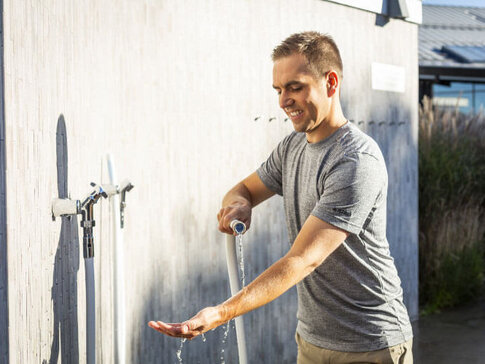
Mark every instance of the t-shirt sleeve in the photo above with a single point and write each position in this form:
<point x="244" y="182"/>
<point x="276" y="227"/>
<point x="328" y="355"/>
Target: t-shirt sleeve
<point x="350" y="191"/>
<point x="271" y="171"/>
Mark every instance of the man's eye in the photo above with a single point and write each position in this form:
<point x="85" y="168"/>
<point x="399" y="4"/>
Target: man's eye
<point x="297" y="88"/>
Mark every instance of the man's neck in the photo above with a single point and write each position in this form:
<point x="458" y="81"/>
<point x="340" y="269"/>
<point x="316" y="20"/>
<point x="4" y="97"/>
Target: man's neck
<point x="327" y="127"/>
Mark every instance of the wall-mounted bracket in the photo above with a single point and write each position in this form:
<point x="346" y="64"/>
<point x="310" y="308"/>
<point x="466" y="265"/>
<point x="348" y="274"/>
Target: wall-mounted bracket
<point x="62" y="207"/>
<point x="124" y="187"/>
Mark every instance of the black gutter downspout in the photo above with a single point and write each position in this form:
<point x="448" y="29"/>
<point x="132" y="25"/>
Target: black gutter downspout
<point x="397" y="9"/>
<point x="4" y="337"/>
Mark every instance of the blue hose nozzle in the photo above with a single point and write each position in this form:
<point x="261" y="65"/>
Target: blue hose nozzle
<point x="238" y="227"/>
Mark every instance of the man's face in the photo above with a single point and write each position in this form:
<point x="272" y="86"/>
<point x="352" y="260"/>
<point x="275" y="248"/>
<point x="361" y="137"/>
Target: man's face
<point x="303" y="97"/>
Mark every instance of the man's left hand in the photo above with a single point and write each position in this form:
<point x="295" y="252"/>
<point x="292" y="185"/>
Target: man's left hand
<point x="207" y="319"/>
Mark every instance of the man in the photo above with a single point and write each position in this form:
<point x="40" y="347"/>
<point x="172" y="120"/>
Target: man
<point x="334" y="184"/>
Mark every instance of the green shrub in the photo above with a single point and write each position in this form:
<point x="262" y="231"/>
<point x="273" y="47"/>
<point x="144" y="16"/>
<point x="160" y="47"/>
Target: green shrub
<point x="451" y="206"/>
<point x="458" y="280"/>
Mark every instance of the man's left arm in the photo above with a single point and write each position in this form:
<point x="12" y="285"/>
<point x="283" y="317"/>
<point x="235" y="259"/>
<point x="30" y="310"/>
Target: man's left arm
<point x="315" y="242"/>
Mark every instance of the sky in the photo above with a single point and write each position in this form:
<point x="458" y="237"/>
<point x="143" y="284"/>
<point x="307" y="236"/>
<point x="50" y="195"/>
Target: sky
<point x="478" y="3"/>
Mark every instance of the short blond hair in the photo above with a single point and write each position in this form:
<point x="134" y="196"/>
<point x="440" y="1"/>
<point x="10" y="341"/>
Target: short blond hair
<point x="320" y="50"/>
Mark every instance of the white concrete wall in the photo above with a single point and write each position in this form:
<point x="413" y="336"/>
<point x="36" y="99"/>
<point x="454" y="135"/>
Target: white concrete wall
<point x="171" y="89"/>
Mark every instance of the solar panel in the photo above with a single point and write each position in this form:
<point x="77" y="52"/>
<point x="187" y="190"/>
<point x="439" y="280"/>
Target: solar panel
<point x="469" y="54"/>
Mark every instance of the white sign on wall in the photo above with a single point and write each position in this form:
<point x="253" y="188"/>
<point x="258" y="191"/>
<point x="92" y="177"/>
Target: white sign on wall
<point x="450" y="101"/>
<point x="387" y="77"/>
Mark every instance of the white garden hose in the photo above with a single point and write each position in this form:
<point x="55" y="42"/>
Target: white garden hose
<point x="232" y="269"/>
<point x="118" y="273"/>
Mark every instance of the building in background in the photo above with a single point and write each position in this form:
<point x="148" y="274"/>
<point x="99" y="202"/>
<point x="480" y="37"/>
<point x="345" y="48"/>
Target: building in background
<point x="452" y="56"/>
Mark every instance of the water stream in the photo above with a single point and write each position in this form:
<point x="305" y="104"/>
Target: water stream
<point x="239" y="239"/>
<point x="224" y="340"/>
<point x="179" y="351"/>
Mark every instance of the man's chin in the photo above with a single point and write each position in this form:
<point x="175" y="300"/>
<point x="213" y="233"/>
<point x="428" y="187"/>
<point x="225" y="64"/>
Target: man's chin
<point x="299" y="127"/>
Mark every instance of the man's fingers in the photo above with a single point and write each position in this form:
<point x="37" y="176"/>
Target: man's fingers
<point x="221" y="227"/>
<point x="194" y="325"/>
<point x="153" y="325"/>
<point x="227" y="220"/>
<point x="198" y="324"/>
<point x="174" y="330"/>
<point x="224" y="225"/>
<point x="160" y="328"/>
<point x="220" y="219"/>
<point x="235" y="211"/>
<point x="224" y="220"/>
<point x="178" y="330"/>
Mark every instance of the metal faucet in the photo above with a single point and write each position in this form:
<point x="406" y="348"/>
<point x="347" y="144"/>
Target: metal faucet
<point x="124" y="187"/>
<point x="66" y="208"/>
<point x="87" y="222"/>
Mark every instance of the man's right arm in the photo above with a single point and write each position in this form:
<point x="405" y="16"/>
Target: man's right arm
<point x="239" y="201"/>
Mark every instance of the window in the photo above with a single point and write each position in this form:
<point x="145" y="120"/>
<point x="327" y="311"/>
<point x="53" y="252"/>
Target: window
<point x="469" y="54"/>
<point x="468" y="97"/>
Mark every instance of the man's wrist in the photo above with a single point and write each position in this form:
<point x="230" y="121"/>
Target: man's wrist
<point x="239" y="201"/>
<point x="224" y="312"/>
<point x="238" y="195"/>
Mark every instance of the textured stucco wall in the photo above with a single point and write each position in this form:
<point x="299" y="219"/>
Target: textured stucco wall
<point x="171" y="89"/>
<point x="3" y="221"/>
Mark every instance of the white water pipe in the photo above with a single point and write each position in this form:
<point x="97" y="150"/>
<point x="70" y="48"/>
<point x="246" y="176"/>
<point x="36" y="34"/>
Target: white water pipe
<point x="232" y="269"/>
<point x="90" y="312"/>
<point x="118" y="273"/>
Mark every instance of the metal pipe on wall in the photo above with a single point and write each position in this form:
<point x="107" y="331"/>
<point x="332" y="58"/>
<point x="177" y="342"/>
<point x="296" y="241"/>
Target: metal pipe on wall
<point x="90" y="312"/>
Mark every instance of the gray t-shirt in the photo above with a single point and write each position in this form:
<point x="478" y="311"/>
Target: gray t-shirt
<point x="353" y="300"/>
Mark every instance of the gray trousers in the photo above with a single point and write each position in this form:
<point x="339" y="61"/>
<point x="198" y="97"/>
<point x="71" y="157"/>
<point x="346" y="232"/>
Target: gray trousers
<point x="311" y="354"/>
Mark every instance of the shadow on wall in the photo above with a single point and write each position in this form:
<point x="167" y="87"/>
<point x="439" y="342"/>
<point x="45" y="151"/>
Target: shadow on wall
<point x="270" y="330"/>
<point x="265" y="344"/>
<point x="392" y="130"/>
<point x="64" y="287"/>
<point x="381" y="20"/>
<point x="163" y="304"/>
<point x="191" y="284"/>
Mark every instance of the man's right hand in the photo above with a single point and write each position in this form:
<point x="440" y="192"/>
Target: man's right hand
<point x="235" y="211"/>
<point x="240" y="200"/>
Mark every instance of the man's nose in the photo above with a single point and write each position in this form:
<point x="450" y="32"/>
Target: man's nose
<point x="285" y="100"/>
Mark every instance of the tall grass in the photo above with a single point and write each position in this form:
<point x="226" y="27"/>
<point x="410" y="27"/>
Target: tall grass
<point x="451" y="206"/>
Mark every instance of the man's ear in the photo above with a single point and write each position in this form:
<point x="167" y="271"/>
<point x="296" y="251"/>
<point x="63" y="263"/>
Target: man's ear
<point x="332" y="83"/>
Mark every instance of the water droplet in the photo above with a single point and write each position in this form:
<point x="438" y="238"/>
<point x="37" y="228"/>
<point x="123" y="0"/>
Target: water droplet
<point x="224" y="339"/>
<point x="179" y="351"/>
